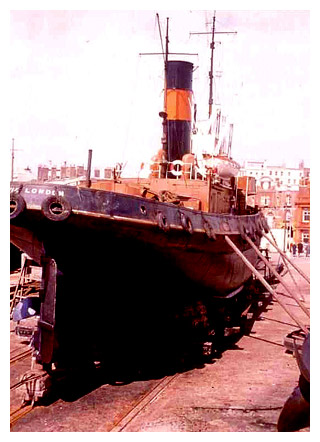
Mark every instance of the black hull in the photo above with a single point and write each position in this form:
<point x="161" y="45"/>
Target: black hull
<point x="129" y="270"/>
<point x="104" y="225"/>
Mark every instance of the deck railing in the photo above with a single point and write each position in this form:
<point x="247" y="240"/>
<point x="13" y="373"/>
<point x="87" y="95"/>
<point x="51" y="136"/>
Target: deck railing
<point x="177" y="169"/>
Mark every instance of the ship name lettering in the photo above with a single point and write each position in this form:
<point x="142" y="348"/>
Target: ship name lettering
<point x="40" y="191"/>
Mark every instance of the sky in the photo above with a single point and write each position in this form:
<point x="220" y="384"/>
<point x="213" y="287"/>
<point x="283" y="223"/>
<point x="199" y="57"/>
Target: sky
<point x="77" y="82"/>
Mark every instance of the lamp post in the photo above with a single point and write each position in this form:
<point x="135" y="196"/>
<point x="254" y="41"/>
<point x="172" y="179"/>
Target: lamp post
<point x="287" y="222"/>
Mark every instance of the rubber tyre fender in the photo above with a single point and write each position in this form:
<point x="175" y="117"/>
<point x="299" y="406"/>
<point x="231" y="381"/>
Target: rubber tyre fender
<point x="65" y="207"/>
<point x="265" y="225"/>
<point x="259" y="223"/>
<point x="162" y="222"/>
<point x="252" y="230"/>
<point x="189" y="227"/>
<point x="260" y="227"/>
<point x="242" y="230"/>
<point x="209" y="231"/>
<point x="183" y="220"/>
<point x="19" y="203"/>
<point x="186" y="223"/>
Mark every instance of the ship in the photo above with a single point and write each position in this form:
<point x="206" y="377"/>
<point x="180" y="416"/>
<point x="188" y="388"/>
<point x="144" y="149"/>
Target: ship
<point x="136" y="267"/>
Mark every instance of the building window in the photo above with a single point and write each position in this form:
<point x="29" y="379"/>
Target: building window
<point x="289" y="173"/>
<point x="305" y="237"/>
<point x="306" y="215"/>
<point x="270" y="173"/>
<point x="265" y="201"/>
<point x="288" y="200"/>
<point x="289" y="181"/>
<point x="276" y="173"/>
<point x="281" y="172"/>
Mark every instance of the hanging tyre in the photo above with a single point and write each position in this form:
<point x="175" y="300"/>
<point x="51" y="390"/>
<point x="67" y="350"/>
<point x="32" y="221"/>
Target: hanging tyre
<point x="209" y="230"/>
<point x="17" y="205"/>
<point x="56" y="209"/>
<point x="252" y="230"/>
<point x="162" y="222"/>
<point x="242" y="230"/>
<point x="259" y="227"/>
<point x="186" y="223"/>
<point x="265" y="225"/>
<point x="183" y="220"/>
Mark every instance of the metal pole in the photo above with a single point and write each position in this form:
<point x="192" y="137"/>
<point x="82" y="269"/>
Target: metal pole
<point x="12" y="159"/>
<point x="267" y="263"/>
<point x="285" y="256"/>
<point x="264" y="282"/>
<point x="89" y="168"/>
<point x="211" y="66"/>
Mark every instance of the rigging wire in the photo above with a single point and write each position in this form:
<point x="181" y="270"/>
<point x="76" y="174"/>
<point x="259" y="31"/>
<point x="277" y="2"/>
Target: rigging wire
<point x="161" y="40"/>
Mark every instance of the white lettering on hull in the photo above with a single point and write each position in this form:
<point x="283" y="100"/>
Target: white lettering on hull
<point x="39" y="191"/>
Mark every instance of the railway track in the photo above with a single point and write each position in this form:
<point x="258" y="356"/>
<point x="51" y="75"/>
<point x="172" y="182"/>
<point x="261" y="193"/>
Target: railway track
<point x="28" y="380"/>
<point x="22" y="410"/>
<point x="147" y="399"/>
<point x="122" y="423"/>
<point x="19" y="412"/>
<point x="14" y="358"/>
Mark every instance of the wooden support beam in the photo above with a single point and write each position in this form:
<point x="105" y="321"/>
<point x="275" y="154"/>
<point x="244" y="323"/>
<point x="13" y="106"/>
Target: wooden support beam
<point x="281" y="280"/>
<point x="288" y="259"/>
<point x="266" y="285"/>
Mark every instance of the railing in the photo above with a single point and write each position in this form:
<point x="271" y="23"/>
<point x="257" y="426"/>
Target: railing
<point x="177" y="169"/>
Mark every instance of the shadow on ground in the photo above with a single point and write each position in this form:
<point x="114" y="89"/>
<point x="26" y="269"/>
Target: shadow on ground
<point x="150" y="361"/>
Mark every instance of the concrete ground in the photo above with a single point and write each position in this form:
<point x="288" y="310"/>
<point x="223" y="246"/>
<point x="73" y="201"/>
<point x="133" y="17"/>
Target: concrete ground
<point x="242" y="391"/>
<point x="245" y="389"/>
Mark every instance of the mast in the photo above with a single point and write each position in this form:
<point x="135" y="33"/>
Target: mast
<point x="13" y="150"/>
<point x="212" y="47"/>
<point x="211" y="66"/>
<point x="164" y="114"/>
<point x="166" y="57"/>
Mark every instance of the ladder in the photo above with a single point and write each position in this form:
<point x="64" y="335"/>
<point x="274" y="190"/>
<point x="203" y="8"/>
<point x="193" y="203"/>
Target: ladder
<point x="21" y="290"/>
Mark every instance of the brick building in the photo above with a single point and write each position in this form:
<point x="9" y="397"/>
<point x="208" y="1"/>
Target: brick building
<point x="301" y="220"/>
<point x="283" y="194"/>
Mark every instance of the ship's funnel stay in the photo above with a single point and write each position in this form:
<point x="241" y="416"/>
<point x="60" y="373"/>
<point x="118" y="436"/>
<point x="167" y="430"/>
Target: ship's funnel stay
<point x="178" y="108"/>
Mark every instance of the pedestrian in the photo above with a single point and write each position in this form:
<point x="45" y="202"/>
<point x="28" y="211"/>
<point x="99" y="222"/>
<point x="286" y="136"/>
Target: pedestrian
<point x="307" y="250"/>
<point x="300" y="248"/>
<point x="294" y="250"/>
